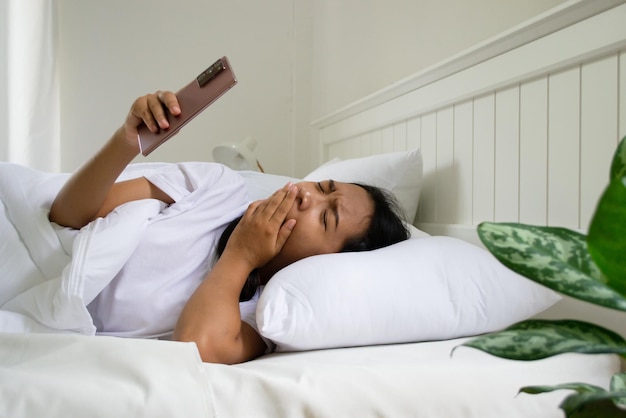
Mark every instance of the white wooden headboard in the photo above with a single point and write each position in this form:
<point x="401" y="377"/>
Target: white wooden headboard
<point x="520" y="128"/>
<point x="511" y="130"/>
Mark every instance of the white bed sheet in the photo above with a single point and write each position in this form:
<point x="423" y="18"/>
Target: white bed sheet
<point x="406" y="380"/>
<point x="72" y="375"/>
<point x="55" y="375"/>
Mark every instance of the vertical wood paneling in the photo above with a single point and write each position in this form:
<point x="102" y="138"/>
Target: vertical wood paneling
<point x="324" y="149"/>
<point x="564" y="149"/>
<point x="399" y="136"/>
<point x="377" y="141"/>
<point x="533" y="151"/>
<point x="350" y="146"/>
<point x="463" y="162"/>
<point x="330" y="151"/>
<point x="537" y="152"/>
<point x="360" y="144"/>
<point x="428" y="200"/>
<point x="517" y="154"/>
<point x="483" y="186"/>
<point x="346" y="148"/>
<point x="598" y="130"/>
<point x="387" y="139"/>
<point x="338" y="150"/>
<point x="366" y="144"/>
<point x="506" y="205"/>
<point x="446" y="187"/>
<point x="413" y="133"/>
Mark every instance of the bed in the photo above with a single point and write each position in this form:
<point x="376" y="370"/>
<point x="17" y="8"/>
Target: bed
<point x="492" y="134"/>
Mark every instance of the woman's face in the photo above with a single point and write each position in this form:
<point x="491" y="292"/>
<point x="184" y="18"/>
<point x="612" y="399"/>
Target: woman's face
<point x="328" y="214"/>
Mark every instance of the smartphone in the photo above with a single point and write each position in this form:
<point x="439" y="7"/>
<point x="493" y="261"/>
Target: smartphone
<point x="196" y="96"/>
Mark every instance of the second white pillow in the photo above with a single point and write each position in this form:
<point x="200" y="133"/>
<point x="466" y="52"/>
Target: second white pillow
<point x="399" y="172"/>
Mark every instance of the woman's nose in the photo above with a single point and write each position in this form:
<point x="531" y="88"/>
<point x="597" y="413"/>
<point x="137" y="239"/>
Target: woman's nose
<point x="308" y="199"/>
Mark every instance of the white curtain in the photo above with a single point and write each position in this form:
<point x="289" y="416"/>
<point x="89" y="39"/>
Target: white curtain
<point x="31" y="111"/>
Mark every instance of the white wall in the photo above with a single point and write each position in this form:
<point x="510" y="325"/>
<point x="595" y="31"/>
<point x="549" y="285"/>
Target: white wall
<point x="361" y="46"/>
<point x="113" y="51"/>
<point x="296" y="60"/>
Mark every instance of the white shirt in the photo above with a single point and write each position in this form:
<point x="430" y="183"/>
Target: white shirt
<point x="175" y="254"/>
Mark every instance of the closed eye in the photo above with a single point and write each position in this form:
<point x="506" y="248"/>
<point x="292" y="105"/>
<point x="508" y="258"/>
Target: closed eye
<point x="331" y="189"/>
<point x="325" y="213"/>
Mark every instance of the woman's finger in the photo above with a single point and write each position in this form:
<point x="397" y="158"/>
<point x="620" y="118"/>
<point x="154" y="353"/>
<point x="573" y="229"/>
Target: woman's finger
<point x="170" y="101"/>
<point x="284" y="232"/>
<point x="156" y="111"/>
<point x="274" y="209"/>
<point x="278" y="205"/>
<point x="140" y="112"/>
<point x="285" y="205"/>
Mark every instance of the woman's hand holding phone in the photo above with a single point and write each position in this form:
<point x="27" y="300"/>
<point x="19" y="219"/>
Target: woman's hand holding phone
<point x="150" y="111"/>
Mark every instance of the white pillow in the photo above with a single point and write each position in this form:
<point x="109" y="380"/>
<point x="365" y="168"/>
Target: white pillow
<point x="398" y="172"/>
<point x="262" y="185"/>
<point x="432" y="288"/>
<point x="414" y="232"/>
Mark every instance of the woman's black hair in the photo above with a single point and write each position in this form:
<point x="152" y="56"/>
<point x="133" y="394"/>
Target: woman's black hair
<point x="386" y="228"/>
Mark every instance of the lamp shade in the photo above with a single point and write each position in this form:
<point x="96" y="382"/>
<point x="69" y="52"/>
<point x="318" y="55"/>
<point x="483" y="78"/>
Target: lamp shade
<point x="238" y="156"/>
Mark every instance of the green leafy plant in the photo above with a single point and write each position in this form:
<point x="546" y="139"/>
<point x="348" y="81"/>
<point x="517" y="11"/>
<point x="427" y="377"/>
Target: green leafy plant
<point x="587" y="267"/>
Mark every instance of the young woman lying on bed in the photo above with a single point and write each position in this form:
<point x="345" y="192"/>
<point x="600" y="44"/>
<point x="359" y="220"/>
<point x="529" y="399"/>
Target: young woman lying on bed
<point x="167" y="282"/>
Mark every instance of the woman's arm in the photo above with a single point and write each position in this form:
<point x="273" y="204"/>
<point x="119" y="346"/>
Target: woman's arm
<point x="211" y="317"/>
<point x="90" y="191"/>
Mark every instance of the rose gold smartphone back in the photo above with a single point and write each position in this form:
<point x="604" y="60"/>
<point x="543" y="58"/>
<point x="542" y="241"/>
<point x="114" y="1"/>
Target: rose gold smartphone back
<point x="196" y="96"/>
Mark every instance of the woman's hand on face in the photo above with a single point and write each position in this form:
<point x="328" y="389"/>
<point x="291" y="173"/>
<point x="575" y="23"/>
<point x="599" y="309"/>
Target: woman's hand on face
<point x="150" y="109"/>
<point x="264" y="228"/>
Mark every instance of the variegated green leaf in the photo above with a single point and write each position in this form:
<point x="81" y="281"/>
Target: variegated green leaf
<point x="593" y="405"/>
<point x="607" y="235"/>
<point x="536" y="339"/>
<point x="578" y="387"/>
<point x="554" y="257"/>
<point x="618" y="384"/>
<point x="593" y="400"/>
<point x="618" y="165"/>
